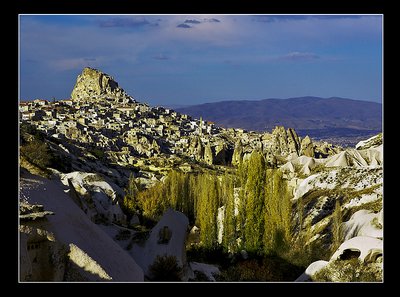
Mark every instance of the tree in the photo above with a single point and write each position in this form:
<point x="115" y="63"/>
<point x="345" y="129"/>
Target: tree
<point x="254" y="192"/>
<point x="229" y="234"/>
<point x="131" y="201"/>
<point x="277" y="214"/>
<point x="207" y="211"/>
<point x="241" y="219"/>
<point x="153" y="202"/>
<point x="337" y="219"/>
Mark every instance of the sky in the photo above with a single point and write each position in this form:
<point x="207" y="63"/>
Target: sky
<point x="177" y="60"/>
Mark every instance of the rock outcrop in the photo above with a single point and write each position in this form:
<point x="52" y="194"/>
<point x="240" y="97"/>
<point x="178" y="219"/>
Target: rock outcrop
<point x="237" y="153"/>
<point x="97" y="197"/>
<point x="28" y="212"/>
<point x="307" y="147"/>
<point x="93" y="84"/>
<point x="286" y="141"/>
<point x="354" y="178"/>
<point x="372" y="142"/>
<point x="67" y="246"/>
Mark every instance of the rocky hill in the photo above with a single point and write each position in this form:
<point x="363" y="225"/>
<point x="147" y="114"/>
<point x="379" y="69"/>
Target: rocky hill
<point x="89" y="148"/>
<point x="105" y="126"/>
<point x="93" y="84"/>
<point x="337" y="120"/>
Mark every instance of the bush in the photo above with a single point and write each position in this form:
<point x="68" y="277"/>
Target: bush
<point x="98" y="153"/>
<point x="28" y="130"/>
<point x="37" y="153"/>
<point x="165" y="268"/>
<point x="269" y="268"/>
<point x="215" y="255"/>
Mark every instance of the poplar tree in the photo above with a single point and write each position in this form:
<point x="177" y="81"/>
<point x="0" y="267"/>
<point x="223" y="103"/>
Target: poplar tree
<point x="241" y="219"/>
<point x="207" y="210"/>
<point x="131" y="202"/>
<point x="337" y="219"/>
<point x="229" y="233"/>
<point x="277" y="212"/>
<point x="254" y="192"/>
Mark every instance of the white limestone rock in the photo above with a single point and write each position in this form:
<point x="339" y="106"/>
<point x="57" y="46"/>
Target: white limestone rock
<point x="369" y="248"/>
<point x="373" y="141"/>
<point x="72" y="229"/>
<point x="363" y="223"/>
<point x="311" y="270"/>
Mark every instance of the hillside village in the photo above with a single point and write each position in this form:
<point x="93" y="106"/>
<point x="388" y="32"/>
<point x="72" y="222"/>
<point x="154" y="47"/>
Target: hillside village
<point x="135" y="134"/>
<point x="105" y="135"/>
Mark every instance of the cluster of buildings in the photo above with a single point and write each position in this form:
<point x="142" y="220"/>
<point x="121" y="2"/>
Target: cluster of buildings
<point x="126" y="130"/>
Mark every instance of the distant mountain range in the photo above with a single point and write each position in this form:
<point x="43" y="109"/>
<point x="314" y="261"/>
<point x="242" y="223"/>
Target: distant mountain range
<point x="340" y="120"/>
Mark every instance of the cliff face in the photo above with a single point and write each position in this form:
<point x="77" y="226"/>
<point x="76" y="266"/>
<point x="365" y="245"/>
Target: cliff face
<point x="93" y="84"/>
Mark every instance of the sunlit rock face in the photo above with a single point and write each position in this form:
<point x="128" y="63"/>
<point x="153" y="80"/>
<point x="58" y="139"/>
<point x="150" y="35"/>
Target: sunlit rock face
<point x="93" y="84"/>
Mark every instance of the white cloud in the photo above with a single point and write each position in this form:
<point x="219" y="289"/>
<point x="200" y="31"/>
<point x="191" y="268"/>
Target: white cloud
<point x="300" y="56"/>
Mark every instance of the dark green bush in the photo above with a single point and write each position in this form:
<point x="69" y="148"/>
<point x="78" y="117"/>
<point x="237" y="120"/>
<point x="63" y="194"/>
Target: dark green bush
<point x="269" y="268"/>
<point x="165" y="268"/>
<point x="37" y="152"/>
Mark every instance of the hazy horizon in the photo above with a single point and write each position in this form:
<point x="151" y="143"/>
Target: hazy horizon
<point x="182" y="60"/>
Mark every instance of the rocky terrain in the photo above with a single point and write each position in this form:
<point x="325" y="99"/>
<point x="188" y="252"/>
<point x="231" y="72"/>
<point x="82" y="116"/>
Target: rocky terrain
<point x="353" y="180"/>
<point x="102" y="136"/>
<point x="62" y="243"/>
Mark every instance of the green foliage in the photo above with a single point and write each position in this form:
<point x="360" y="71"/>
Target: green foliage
<point x="241" y="179"/>
<point x="254" y="191"/>
<point x="27" y="130"/>
<point x="131" y="203"/>
<point x="37" y="152"/>
<point x="207" y="209"/>
<point x="337" y="219"/>
<point x="269" y="268"/>
<point x="213" y="254"/>
<point x="264" y="220"/>
<point x="98" y="153"/>
<point x="303" y="251"/>
<point x="230" y="220"/>
<point x="152" y="202"/>
<point x="278" y="207"/>
<point x="179" y="191"/>
<point x="165" y="268"/>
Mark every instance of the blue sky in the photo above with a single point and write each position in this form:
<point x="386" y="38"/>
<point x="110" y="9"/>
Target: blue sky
<point x="190" y="59"/>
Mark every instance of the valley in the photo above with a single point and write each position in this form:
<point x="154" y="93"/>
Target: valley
<point x="323" y="119"/>
<point x="112" y="189"/>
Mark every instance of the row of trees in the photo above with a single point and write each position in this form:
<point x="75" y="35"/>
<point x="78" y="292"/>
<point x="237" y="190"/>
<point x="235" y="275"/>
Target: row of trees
<point x="256" y="202"/>
<point x="265" y="207"/>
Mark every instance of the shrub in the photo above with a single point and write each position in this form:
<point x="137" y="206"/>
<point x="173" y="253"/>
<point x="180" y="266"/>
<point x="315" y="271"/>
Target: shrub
<point x="268" y="268"/>
<point x="165" y="268"/>
<point x="37" y="153"/>
<point x="98" y="153"/>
